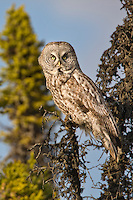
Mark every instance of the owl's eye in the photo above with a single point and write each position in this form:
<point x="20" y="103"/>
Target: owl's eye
<point x="53" y="57"/>
<point x="64" y="57"/>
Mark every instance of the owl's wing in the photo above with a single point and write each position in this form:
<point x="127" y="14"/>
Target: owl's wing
<point x="94" y="102"/>
<point x="92" y="98"/>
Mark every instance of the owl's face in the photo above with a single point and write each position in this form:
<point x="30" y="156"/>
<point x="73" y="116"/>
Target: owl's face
<point x="58" y="57"/>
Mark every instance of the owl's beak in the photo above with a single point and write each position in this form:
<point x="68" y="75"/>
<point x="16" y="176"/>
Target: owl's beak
<point x="59" y="63"/>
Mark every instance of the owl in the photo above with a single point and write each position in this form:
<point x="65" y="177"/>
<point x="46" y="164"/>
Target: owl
<point x="77" y="96"/>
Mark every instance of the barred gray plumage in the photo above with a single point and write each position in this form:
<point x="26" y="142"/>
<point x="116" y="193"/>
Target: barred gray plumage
<point x="77" y="96"/>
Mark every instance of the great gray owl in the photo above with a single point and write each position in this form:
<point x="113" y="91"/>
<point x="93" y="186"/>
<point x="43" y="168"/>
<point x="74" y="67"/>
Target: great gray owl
<point x="77" y="96"/>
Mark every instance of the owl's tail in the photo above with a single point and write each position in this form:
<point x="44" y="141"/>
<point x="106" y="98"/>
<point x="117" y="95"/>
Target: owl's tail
<point x="113" y="145"/>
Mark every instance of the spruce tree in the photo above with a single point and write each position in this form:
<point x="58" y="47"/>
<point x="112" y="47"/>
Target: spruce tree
<point x="22" y="89"/>
<point x="15" y="183"/>
<point x="115" y="79"/>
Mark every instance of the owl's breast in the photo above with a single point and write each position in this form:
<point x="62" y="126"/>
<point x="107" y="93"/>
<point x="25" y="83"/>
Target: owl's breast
<point x="67" y="95"/>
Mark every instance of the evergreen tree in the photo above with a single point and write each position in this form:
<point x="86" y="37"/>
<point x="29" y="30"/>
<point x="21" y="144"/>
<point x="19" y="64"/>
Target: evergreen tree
<point x="14" y="183"/>
<point x="22" y="89"/>
<point x="115" y="79"/>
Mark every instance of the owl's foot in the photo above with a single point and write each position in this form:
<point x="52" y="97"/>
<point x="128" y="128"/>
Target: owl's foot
<point x="69" y="123"/>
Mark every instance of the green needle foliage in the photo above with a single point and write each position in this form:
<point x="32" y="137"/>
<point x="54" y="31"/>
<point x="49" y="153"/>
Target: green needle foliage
<point x="22" y="89"/>
<point x="14" y="184"/>
<point x="115" y="78"/>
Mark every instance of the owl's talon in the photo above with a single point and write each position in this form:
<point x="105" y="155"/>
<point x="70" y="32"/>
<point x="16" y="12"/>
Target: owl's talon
<point x="68" y="118"/>
<point x="69" y="122"/>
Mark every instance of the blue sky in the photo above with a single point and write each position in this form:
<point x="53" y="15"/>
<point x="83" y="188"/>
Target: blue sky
<point x="86" y="24"/>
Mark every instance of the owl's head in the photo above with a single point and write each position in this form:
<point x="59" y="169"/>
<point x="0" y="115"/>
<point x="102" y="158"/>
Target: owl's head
<point x="58" y="57"/>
